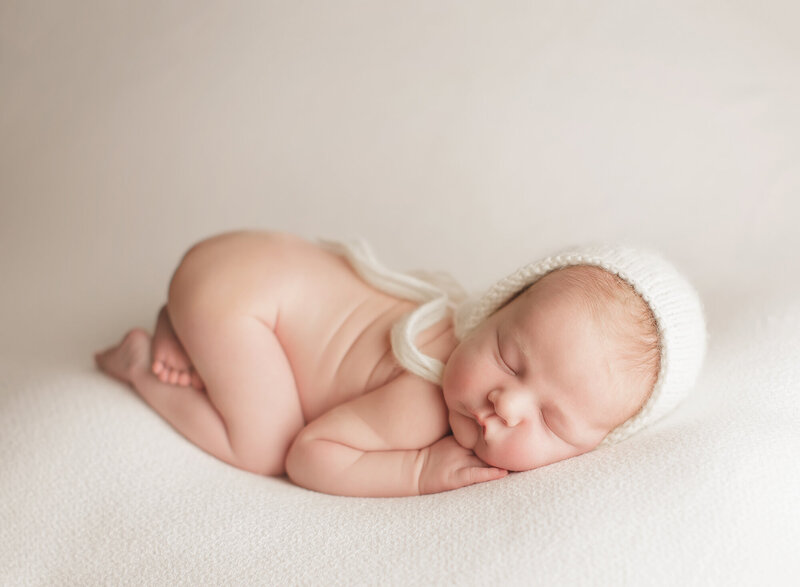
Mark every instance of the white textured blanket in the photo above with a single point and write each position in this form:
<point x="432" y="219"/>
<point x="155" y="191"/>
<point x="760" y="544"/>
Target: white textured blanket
<point x="97" y="489"/>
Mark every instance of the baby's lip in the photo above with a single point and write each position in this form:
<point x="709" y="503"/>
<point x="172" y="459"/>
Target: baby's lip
<point x="483" y="426"/>
<point x="480" y="418"/>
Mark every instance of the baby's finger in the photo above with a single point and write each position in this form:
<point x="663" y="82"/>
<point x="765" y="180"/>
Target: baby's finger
<point x="472" y="475"/>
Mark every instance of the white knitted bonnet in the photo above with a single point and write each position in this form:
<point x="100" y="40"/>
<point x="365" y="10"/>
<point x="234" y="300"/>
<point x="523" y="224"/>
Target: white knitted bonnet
<point x="673" y="301"/>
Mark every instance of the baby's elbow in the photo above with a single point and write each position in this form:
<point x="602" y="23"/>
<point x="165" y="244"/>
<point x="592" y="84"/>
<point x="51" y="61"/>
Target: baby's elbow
<point x="318" y="463"/>
<point x="299" y="458"/>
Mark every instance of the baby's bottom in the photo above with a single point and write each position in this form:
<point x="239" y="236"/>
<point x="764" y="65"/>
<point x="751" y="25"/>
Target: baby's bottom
<point x="247" y="376"/>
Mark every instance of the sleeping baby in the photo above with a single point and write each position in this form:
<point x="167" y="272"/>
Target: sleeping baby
<point x="282" y="356"/>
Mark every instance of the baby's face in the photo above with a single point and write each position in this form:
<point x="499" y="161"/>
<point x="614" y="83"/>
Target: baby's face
<point x="535" y="383"/>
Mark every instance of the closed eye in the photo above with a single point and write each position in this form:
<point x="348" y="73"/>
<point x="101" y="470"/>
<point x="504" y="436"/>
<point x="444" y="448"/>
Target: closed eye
<point x="501" y="360"/>
<point x="551" y="430"/>
<point x="544" y="421"/>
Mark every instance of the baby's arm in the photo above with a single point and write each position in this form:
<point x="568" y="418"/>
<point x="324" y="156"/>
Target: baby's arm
<point x="385" y="443"/>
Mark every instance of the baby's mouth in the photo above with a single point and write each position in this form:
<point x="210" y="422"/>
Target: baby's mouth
<point x="481" y="417"/>
<point x="481" y="421"/>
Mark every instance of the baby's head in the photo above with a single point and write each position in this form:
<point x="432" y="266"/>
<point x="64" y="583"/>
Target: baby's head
<point x="574" y="351"/>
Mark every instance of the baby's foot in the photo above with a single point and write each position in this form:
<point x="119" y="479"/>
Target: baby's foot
<point x="170" y="363"/>
<point x="129" y="357"/>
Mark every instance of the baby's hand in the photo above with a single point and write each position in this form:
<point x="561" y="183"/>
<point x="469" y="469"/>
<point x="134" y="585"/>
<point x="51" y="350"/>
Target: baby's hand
<point x="448" y="465"/>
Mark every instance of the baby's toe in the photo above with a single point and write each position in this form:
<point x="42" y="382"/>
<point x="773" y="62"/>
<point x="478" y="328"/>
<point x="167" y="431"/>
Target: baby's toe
<point x="184" y="379"/>
<point x="158" y="367"/>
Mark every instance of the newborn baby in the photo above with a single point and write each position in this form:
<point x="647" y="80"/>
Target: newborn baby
<point x="278" y="355"/>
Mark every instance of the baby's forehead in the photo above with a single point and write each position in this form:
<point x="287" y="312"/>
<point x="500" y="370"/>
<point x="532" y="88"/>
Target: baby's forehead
<point x="579" y="282"/>
<point x="584" y="292"/>
<point x="583" y="277"/>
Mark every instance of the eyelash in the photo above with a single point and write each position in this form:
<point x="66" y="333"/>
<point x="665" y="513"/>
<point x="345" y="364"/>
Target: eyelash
<point x="502" y="360"/>
<point x="546" y="425"/>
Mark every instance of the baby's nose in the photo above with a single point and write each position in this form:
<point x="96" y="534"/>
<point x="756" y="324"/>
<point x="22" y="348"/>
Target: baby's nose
<point x="508" y="405"/>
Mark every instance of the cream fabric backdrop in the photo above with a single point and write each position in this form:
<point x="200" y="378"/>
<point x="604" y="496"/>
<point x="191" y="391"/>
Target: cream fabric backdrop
<point x="467" y="136"/>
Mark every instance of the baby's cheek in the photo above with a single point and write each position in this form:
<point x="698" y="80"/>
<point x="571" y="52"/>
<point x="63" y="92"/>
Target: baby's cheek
<point x="469" y="386"/>
<point x="492" y="456"/>
<point x="464" y="361"/>
<point x="464" y="430"/>
<point x="513" y="454"/>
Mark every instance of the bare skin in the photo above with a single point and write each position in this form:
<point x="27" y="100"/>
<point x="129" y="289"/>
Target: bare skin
<point x="127" y="360"/>
<point x="274" y="356"/>
<point x="279" y="334"/>
<point x="170" y="363"/>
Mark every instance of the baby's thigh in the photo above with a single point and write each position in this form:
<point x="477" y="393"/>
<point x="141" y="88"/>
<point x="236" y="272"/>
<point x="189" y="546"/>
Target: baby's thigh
<point x="217" y="303"/>
<point x="250" y="383"/>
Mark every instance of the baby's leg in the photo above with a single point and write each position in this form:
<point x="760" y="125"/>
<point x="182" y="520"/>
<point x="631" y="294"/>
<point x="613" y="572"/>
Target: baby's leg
<point x="188" y="410"/>
<point x="247" y="375"/>
<point x="170" y="363"/>
<point x="250" y="383"/>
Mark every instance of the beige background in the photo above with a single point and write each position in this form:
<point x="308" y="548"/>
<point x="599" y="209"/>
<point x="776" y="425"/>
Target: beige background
<point x="468" y="136"/>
